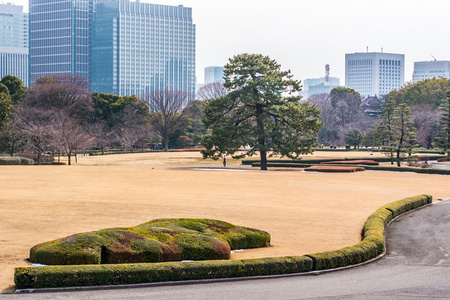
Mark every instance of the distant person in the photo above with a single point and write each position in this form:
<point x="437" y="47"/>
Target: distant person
<point x="224" y="160"/>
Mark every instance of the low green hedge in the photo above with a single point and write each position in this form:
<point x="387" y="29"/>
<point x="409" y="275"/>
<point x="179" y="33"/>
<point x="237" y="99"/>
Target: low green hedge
<point x="371" y="246"/>
<point x="15" y="160"/>
<point x="155" y="241"/>
<point x="91" y="275"/>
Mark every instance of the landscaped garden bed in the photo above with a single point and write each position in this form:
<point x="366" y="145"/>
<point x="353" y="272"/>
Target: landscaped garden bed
<point x="352" y="162"/>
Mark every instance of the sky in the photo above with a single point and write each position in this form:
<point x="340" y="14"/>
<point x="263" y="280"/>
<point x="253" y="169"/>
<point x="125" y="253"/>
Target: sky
<point x="304" y="35"/>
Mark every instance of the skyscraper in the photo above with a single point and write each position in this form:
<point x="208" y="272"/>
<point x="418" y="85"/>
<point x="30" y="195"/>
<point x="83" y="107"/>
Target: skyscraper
<point x="140" y="47"/>
<point x="14" y="42"/>
<point x="431" y="69"/>
<point x="214" y="74"/>
<point x="59" y="37"/>
<point x="374" y="73"/>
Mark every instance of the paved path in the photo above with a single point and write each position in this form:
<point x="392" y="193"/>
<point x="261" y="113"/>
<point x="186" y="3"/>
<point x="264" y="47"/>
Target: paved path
<point x="417" y="266"/>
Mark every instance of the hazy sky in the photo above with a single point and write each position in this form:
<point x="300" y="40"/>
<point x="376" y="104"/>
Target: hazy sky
<point x="303" y="36"/>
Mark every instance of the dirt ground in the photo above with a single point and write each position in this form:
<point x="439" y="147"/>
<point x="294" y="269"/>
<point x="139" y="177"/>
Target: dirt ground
<point x="303" y="212"/>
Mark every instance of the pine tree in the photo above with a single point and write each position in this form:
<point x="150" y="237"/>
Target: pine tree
<point x="443" y="141"/>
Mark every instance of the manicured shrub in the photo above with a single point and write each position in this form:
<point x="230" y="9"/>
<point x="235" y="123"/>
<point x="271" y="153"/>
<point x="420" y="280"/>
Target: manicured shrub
<point x="353" y="162"/>
<point x="10" y="160"/>
<point x="92" y="275"/>
<point x="154" y="241"/>
<point x="334" y="169"/>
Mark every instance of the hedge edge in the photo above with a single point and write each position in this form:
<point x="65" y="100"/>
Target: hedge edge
<point x="372" y="245"/>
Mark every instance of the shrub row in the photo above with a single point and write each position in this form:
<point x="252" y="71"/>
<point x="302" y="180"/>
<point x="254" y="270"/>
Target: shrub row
<point x="373" y="168"/>
<point x="372" y="243"/>
<point x="371" y="246"/>
<point x="318" y="161"/>
<point x="353" y="162"/>
<point x="334" y="169"/>
<point x="15" y="160"/>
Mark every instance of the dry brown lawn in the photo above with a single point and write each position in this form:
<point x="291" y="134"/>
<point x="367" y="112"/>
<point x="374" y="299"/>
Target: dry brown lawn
<point x="303" y="212"/>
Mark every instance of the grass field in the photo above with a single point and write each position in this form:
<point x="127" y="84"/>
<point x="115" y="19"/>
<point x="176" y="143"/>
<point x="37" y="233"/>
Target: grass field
<point x="303" y="212"/>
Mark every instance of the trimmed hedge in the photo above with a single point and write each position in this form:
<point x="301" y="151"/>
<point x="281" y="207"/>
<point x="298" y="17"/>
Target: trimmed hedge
<point x="15" y="160"/>
<point x="334" y="169"/>
<point x="318" y="161"/>
<point x="69" y="276"/>
<point x="353" y="162"/>
<point x="371" y="246"/>
<point x="155" y="241"/>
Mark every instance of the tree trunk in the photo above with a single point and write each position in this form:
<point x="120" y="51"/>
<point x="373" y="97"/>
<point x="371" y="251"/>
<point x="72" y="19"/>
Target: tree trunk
<point x="398" y="157"/>
<point x="68" y="158"/>
<point x="263" y="155"/>
<point x="166" y="143"/>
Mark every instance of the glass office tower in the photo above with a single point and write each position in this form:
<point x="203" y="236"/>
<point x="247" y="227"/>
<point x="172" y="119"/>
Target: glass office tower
<point x="59" y="37"/>
<point x="14" y="42"/>
<point x="140" y="47"/>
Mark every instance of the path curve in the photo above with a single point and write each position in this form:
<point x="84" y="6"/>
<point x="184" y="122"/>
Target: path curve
<point x="416" y="266"/>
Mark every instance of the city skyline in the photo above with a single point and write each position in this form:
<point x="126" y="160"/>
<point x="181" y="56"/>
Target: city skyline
<point x="303" y="37"/>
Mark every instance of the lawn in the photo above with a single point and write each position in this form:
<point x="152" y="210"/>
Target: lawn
<point x="303" y="212"/>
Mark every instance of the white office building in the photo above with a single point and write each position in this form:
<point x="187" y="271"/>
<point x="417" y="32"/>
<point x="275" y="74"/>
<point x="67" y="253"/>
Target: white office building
<point x="374" y="73"/>
<point x="431" y="69"/>
<point x="214" y="74"/>
<point x="14" y="42"/>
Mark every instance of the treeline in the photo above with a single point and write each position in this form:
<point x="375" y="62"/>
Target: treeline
<point x="58" y="115"/>
<point x="416" y="115"/>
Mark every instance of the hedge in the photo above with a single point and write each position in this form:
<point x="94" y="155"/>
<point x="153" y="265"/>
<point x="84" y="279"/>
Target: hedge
<point x="318" y="161"/>
<point x="334" y="169"/>
<point x="155" y="241"/>
<point x="15" y="160"/>
<point x="371" y="246"/>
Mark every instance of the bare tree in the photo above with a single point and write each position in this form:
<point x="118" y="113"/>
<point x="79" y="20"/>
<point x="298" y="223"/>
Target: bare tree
<point x="37" y="129"/>
<point x="166" y="112"/>
<point x="212" y="91"/>
<point x="61" y="92"/>
<point x="133" y="129"/>
<point x="426" y="123"/>
<point x="70" y="135"/>
<point x="102" y="134"/>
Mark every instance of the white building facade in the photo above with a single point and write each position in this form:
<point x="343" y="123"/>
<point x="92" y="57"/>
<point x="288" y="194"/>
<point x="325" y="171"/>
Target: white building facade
<point x="374" y="73"/>
<point x="431" y="69"/>
<point x="14" y="42"/>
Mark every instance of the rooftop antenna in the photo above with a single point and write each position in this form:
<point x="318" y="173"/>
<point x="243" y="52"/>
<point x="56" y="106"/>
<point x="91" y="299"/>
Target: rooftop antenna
<point x="433" y="58"/>
<point x="381" y="49"/>
<point x="367" y="49"/>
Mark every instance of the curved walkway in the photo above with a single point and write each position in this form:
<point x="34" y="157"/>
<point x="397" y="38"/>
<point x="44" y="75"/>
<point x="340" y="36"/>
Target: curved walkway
<point x="416" y="266"/>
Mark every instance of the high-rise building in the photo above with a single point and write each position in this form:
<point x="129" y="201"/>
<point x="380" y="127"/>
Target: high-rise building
<point x="214" y="74"/>
<point x="374" y="73"/>
<point x="14" y="42"/>
<point x="140" y="47"/>
<point x="314" y="86"/>
<point x="431" y="69"/>
<point x="59" y="37"/>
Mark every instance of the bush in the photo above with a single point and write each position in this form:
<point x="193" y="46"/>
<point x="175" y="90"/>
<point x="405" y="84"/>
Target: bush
<point x="353" y="162"/>
<point x="334" y="169"/>
<point x="70" y="276"/>
<point x="58" y="163"/>
<point x="15" y="160"/>
<point x="9" y="160"/>
<point x="154" y="241"/>
<point x="442" y="159"/>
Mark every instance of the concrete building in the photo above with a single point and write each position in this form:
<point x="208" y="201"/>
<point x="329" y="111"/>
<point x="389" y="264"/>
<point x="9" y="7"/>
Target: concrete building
<point x="140" y="47"/>
<point x="374" y="73"/>
<point x="214" y="74"/>
<point x="321" y="85"/>
<point x="431" y="69"/>
<point x="14" y="42"/>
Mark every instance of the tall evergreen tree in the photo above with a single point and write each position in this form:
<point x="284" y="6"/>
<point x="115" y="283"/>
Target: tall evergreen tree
<point x="386" y="130"/>
<point x="403" y="131"/>
<point x="254" y="114"/>
<point x="443" y="141"/>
